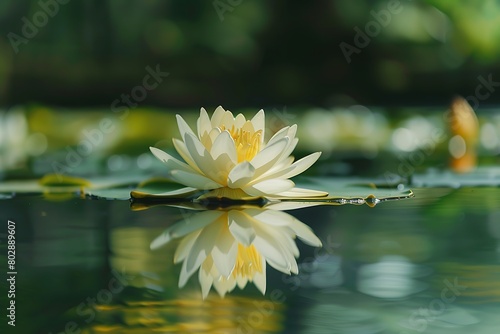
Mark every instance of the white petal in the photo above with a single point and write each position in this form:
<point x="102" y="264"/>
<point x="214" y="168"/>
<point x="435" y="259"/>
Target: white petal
<point x="217" y="116"/>
<point x="292" y="143"/>
<point x="301" y="165"/>
<point x="296" y="168"/>
<point x="186" y="226"/>
<point x="269" y="187"/>
<point x="273" y="253"/>
<point x="228" y="119"/>
<point x="281" y="219"/>
<point x="194" y="180"/>
<point x="260" y="278"/>
<point x="259" y="121"/>
<point x="277" y="168"/>
<point x="305" y="233"/>
<point x="239" y="120"/>
<point x="176" y="193"/>
<point x="183" y="276"/>
<point x="205" y="278"/>
<point x="271" y="217"/>
<point x="292" y="131"/>
<point x="185" y="246"/>
<point x="284" y="237"/>
<point x="203" y="123"/>
<point x="278" y="135"/>
<point x="204" y="161"/>
<point x="224" y="286"/>
<point x="221" y="168"/>
<point x="292" y="246"/>
<point x="224" y="143"/>
<point x="266" y="158"/>
<point x="170" y="161"/>
<point x="242" y="280"/>
<point x="301" y="193"/>
<point x="202" y="247"/>
<point x="213" y="134"/>
<point x="183" y="126"/>
<point x="225" y="252"/>
<point x="240" y="175"/>
<point x="195" y="148"/>
<point x="282" y="240"/>
<point x="181" y="148"/>
<point x="248" y="127"/>
<point x="241" y="227"/>
<point x="288" y="132"/>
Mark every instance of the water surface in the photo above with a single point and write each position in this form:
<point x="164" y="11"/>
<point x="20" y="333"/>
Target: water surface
<point x="430" y="264"/>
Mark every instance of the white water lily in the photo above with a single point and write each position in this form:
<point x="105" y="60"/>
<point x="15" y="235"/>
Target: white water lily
<point x="228" y="154"/>
<point x="232" y="248"/>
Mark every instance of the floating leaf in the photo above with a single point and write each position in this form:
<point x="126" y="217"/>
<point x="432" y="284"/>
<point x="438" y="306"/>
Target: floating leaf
<point x="59" y="180"/>
<point x="358" y="194"/>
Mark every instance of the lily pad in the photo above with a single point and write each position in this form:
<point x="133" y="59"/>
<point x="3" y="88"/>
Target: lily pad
<point x="355" y="192"/>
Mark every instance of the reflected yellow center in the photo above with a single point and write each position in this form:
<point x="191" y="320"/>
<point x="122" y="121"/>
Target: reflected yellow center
<point x="248" y="262"/>
<point x="247" y="141"/>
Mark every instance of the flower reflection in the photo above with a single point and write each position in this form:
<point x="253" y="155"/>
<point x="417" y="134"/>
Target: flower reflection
<point x="232" y="247"/>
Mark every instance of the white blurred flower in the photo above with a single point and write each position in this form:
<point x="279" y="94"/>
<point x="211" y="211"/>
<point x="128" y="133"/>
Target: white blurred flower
<point x="230" y="248"/>
<point x="228" y="155"/>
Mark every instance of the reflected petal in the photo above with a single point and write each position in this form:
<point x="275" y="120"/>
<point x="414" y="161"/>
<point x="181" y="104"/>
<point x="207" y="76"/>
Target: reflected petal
<point x="231" y="248"/>
<point x="241" y="227"/>
<point x="260" y="278"/>
<point x="194" y="222"/>
<point x="225" y="252"/>
<point x="206" y="280"/>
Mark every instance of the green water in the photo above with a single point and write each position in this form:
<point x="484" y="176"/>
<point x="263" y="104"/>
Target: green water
<point x="429" y="264"/>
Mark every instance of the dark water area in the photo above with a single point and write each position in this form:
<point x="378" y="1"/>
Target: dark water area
<point x="428" y="264"/>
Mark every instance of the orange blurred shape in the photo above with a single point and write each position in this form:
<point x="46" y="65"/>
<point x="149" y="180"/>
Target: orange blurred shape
<point x="464" y="126"/>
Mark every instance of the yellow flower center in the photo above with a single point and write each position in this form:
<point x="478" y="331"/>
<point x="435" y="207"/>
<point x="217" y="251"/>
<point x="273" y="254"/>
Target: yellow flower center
<point x="246" y="140"/>
<point x="248" y="262"/>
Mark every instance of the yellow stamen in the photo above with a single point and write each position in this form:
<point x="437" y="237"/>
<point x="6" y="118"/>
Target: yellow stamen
<point x="248" y="262"/>
<point x="247" y="142"/>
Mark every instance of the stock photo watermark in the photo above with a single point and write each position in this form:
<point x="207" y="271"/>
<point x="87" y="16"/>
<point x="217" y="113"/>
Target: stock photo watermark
<point x="408" y="164"/>
<point x="420" y="319"/>
<point x="320" y="255"/>
<point x="483" y="90"/>
<point x="263" y="310"/>
<point x="223" y="6"/>
<point x="88" y="310"/>
<point x="11" y="273"/>
<point x="372" y="29"/>
<point x="279" y="119"/>
<point x="121" y="107"/>
<point x="31" y="26"/>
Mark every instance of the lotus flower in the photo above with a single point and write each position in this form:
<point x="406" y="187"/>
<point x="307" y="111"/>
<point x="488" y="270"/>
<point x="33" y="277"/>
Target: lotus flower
<point x="229" y="156"/>
<point x="230" y="248"/>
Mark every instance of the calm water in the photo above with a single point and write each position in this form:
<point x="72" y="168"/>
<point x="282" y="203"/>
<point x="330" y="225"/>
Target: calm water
<point x="430" y="264"/>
